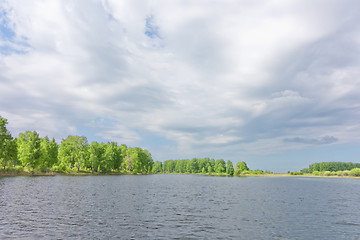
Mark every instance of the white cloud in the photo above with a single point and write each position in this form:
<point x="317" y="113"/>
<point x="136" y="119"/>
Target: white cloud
<point x="234" y="77"/>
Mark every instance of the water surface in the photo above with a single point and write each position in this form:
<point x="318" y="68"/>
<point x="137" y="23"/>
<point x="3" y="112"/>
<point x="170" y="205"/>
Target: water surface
<point x="178" y="207"/>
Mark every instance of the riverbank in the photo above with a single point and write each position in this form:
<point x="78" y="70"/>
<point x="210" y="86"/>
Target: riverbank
<point x="82" y="173"/>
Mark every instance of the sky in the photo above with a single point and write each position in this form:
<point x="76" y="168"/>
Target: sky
<point x="274" y="83"/>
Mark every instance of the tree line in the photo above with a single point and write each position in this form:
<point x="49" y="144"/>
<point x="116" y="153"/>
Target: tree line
<point x="331" y="169"/>
<point x="330" y="166"/>
<point x="74" y="153"/>
<point x="203" y="166"/>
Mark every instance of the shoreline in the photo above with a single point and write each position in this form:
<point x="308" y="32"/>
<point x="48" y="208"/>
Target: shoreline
<point x="38" y="174"/>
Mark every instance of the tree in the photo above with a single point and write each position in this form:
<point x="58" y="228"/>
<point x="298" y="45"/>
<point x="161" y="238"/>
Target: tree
<point x="9" y="154"/>
<point x="157" y="167"/>
<point x="73" y="151"/>
<point x="5" y="143"/>
<point x="220" y="166"/>
<point x="145" y="160"/>
<point x="96" y="156"/>
<point x="229" y="168"/>
<point x="49" y="153"/>
<point x="169" y="166"/>
<point x="332" y="166"/>
<point x="112" y="156"/>
<point x="241" y="167"/>
<point x="131" y="159"/>
<point x="29" y="149"/>
<point x="194" y="167"/>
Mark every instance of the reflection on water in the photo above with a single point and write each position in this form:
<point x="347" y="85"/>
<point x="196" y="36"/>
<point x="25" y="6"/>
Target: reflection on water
<point x="179" y="206"/>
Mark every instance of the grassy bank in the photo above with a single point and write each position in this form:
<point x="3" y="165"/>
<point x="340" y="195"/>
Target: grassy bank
<point x="266" y="175"/>
<point x="21" y="172"/>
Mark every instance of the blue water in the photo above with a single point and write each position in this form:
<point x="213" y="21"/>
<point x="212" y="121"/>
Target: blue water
<point x="179" y="207"/>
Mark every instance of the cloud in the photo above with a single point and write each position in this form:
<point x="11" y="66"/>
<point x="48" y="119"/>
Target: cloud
<point x="313" y="141"/>
<point x="226" y="78"/>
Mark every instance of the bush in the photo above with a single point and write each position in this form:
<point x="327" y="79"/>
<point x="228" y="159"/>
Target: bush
<point x="326" y="173"/>
<point x="316" y="173"/>
<point x="338" y="173"/>
<point x="355" y="172"/>
<point x="60" y="168"/>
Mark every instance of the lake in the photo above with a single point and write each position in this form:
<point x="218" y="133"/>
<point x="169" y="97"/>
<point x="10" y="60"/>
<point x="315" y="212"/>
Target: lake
<point x="179" y="207"/>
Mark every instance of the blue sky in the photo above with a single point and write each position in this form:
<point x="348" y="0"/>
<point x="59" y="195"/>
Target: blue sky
<point x="272" y="83"/>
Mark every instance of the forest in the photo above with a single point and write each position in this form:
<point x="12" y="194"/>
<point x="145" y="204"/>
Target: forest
<point x="204" y="166"/>
<point x="331" y="169"/>
<point x="29" y="152"/>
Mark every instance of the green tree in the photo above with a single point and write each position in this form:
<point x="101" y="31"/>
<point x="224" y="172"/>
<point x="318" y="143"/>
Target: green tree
<point x="5" y="143"/>
<point x="73" y="151"/>
<point x="229" y="168"/>
<point x="9" y="154"/>
<point x="194" y="165"/>
<point x="113" y="156"/>
<point x="332" y="166"/>
<point x="157" y="167"/>
<point x="169" y="166"/>
<point x="145" y="161"/>
<point x="48" y="153"/>
<point x="131" y="159"/>
<point x="96" y="156"/>
<point x="210" y="170"/>
<point x="355" y="172"/>
<point x="220" y="166"/>
<point x="241" y="167"/>
<point x="123" y="149"/>
<point x="29" y="149"/>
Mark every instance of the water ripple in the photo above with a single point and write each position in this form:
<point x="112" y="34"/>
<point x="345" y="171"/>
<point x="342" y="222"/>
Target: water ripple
<point x="178" y="207"/>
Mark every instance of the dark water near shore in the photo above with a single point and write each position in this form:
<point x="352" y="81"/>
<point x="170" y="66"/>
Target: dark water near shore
<point x="178" y="207"/>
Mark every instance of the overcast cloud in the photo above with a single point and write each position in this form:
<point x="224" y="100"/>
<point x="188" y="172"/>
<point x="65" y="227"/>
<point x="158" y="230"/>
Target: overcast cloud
<point x="240" y="80"/>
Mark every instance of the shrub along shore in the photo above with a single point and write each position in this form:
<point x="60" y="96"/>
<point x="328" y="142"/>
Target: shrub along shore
<point x="354" y="173"/>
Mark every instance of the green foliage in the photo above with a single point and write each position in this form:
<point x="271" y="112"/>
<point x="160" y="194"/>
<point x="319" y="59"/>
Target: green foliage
<point x="305" y="170"/>
<point x="255" y="172"/>
<point x="113" y="156"/>
<point x="220" y="166"/>
<point x="29" y="149"/>
<point x="229" y="168"/>
<point x="296" y="173"/>
<point x="157" y="167"/>
<point x="199" y="166"/>
<point x="8" y="149"/>
<point x="355" y="172"/>
<point x="332" y="166"/>
<point x="73" y="155"/>
<point x="96" y="157"/>
<point x="48" y="154"/>
<point x="59" y="168"/>
<point x="138" y="160"/>
<point x="240" y="168"/>
<point x="73" y="151"/>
